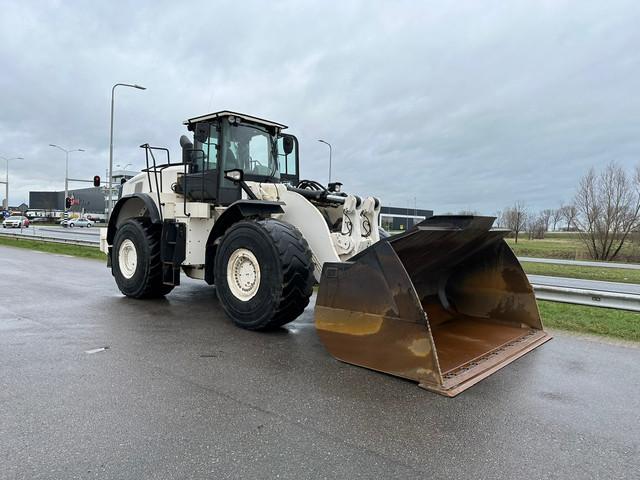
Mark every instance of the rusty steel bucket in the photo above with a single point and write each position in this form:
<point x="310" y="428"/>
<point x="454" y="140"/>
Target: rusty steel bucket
<point x="445" y="304"/>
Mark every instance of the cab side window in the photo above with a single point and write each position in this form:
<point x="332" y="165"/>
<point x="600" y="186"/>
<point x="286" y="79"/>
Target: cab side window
<point x="210" y="148"/>
<point x="206" y="146"/>
<point x="287" y="164"/>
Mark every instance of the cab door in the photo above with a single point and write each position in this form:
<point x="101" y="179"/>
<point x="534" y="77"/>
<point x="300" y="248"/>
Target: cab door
<point x="229" y="191"/>
<point x="201" y="182"/>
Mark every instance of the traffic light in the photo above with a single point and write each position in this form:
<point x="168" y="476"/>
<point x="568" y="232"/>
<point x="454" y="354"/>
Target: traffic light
<point x="67" y="202"/>
<point x="96" y="181"/>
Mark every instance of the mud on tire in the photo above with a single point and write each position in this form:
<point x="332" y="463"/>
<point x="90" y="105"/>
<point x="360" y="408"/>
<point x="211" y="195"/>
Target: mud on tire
<point x="142" y="276"/>
<point x="284" y="273"/>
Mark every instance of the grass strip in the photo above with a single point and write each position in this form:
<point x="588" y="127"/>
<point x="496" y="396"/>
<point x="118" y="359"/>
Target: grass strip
<point x="593" y="320"/>
<point x="50" y="247"/>
<point x="586" y="273"/>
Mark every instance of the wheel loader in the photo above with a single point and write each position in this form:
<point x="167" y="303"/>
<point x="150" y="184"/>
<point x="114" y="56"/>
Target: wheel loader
<point x="444" y="304"/>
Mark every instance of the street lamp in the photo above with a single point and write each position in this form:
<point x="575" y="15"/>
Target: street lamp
<point x="113" y="89"/>
<point x="327" y="143"/>
<point x="6" y="183"/>
<point x="66" y="167"/>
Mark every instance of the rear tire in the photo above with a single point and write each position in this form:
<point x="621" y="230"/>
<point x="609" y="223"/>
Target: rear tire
<point x="136" y="262"/>
<point x="263" y="273"/>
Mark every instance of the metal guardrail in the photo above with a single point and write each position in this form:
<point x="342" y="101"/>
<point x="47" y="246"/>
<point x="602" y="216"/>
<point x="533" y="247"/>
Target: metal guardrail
<point x="581" y="263"/>
<point x="575" y="296"/>
<point x="84" y="243"/>
<point x="591" y="298"/>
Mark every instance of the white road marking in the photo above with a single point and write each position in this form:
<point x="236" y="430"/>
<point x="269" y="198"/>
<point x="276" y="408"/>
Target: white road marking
<point x="96" y="350"/>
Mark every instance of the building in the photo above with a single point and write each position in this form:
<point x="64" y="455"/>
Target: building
<point x="119" y="177"/>
<point x="397" y="219"/>
<point x="84" y="200"/>
<point x="88" y="200"/>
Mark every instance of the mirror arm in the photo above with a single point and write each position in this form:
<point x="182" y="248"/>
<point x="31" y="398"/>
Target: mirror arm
<point x="247" y="190"/>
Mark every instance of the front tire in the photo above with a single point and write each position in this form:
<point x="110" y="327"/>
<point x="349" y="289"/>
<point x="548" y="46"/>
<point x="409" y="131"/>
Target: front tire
<point x="263" y="273"/>
<point x="136" y="262"/>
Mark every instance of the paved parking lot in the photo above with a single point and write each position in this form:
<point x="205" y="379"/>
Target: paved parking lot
<point x="181" y="393"/>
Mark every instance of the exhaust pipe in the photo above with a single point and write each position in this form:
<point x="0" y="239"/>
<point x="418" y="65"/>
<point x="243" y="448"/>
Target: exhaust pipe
<point x="445" y="304"/>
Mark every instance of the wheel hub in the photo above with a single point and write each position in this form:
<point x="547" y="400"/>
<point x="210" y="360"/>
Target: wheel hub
<point x="127" y="258"/>
<point x="243" y="274"/>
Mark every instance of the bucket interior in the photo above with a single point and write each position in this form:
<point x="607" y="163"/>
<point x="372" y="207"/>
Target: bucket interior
<point x="462" y="339"/>
<point x="474" y="292"/>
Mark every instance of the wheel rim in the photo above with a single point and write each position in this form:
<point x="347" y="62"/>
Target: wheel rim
<point x="127" y="258"/>
<point x="243" y="274"/>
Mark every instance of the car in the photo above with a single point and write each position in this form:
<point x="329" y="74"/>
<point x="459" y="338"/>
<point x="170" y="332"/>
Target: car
<point x="79" y="222"/>
<point x="16" y="221"/>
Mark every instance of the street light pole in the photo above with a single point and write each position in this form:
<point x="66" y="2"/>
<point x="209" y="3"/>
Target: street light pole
<point x="113" y="89"/>
<point x="327" y="143"/>
<point x="66" y="168"/>
<point x="6" y="183"/>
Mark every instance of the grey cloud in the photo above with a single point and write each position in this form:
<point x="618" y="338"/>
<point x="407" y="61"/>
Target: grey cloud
<point x="458" y="105"/>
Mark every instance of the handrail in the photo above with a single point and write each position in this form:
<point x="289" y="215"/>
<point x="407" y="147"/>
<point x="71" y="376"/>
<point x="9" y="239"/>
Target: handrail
<point x="148" y="149"/>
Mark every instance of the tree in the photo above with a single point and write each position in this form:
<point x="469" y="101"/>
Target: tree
<point x="608" y="209"/>
<point x="536" y="226"/>
<point x="499" y="219"/>
<point x="556" y="216"/>
<point x="515" y="218"/>
<point x="569" y="213"/>
<point x="545" y="217"/>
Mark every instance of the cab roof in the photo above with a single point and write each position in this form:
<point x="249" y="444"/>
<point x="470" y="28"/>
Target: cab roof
<point x="227" y="113"/>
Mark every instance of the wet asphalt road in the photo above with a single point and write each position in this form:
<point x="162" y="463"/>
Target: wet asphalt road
<point x="181" y="393"/>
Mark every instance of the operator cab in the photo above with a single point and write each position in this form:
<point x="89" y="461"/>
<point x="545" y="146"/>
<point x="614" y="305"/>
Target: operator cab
<point x="226" y="141"/>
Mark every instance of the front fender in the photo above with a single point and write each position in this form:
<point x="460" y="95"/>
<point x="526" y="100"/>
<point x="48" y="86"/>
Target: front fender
<point x="234" y="213"/>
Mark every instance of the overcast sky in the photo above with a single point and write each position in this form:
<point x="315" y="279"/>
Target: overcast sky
<point x="458" y="105"/>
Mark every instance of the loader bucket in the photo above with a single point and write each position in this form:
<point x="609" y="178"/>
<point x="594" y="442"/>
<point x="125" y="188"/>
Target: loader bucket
<point x="445" y="304"/>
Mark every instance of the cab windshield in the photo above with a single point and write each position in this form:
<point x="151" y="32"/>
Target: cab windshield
<point x="253" y="149"/>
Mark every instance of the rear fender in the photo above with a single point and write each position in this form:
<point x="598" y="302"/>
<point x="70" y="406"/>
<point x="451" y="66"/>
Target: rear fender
<point x="131" y="206"/>
<point x="134" y="205"/>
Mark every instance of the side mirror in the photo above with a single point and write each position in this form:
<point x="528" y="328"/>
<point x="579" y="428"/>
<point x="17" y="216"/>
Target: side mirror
<point x="187" y="148"/>
<point x="123" y="181"/>
<point x="235" y="175"/>
<point x="96" y="181"/>
<point x="287" y="144"/>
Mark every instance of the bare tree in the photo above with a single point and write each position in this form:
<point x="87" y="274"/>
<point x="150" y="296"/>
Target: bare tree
<point x="556" y="216"/>
<point x="515" y="218"/>
<point x="608" y="207"/>
<point x="536" y="226"/>
<point x="569" y="213"/>
<point x="545" y="217"/>
<point x="499" y="219"/>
